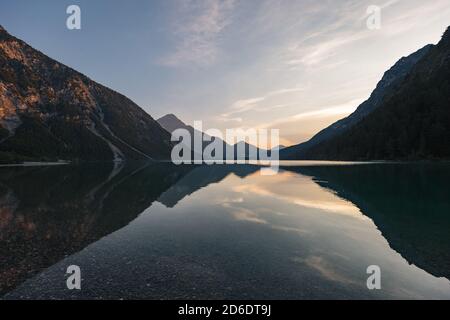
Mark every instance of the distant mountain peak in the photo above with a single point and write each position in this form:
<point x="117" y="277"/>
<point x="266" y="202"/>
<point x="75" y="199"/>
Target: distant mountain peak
<point x="171" y="122"/>
<point x="279" y="147"/>
<point x="170" y="116"/>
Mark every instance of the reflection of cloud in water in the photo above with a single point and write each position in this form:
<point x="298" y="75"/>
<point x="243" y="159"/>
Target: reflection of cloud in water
<point x="324" y="268"/>
<point x="291" y="229"/>
<point x="243" y="214"/>
<point x="300" y="191"/>
<point x="232" y="200"/>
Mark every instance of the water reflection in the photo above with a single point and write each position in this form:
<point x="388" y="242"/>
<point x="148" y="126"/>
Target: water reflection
<point x="409" y="203"/>
<point x="47" y="213"/>
<point x="200" y="178"/>
<point x="161" y="231"/>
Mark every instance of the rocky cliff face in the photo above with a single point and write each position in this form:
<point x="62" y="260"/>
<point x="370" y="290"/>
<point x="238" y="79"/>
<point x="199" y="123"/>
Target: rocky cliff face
<point x="49" y="111"/>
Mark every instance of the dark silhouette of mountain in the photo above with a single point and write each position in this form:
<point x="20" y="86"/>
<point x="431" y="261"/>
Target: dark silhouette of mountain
<point x="408" y="203"/>
<point x="171" y="123"/>
<point x="279" y="147"/>
<point x="391" y="78"/>
<point x="49" y="213"/>
<point x="49" y="111"/>
<point x="412" y="123"/>
<point x="201" y="177"/>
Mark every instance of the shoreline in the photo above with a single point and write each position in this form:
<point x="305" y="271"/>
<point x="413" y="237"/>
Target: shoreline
<point x="281" y="163"/>
<point x="35" y="164"/>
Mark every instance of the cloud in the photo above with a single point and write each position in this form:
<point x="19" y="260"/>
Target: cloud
<point x="331" y="204"/>
<point x="345" y="30"/>
<point x="244" y="105"/>
<point x="273" y="44"/>
<point x="325" y="268"/>
<point x="302" y="126"/>
<point x="414" y="17"/>
<point x="344" y="108"/>
<point x="341" y="109"/>
<point x="199" y="25"/>
<point x="317" y="53"/>
<point x="348" y="29"/>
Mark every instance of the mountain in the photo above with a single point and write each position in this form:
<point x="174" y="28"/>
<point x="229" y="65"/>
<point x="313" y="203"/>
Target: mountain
<point x="412" y="122"/>
<point x="279" y="147"/>
<point x="393" y="77"/>
<point x="49" y="111"/>
<point x="170" y="122"/>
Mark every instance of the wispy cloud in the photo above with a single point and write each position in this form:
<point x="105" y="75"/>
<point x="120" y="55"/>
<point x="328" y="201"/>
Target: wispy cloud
<point x="319" y="45"/>
<point x="198" y="27"/>
<point x="317" y="53"/>
<point x="273" y="44"/>
<point x="347" y="30"/>
<point x="245" y="105"/>
<point x="345" y="108"/>
<point x="341" y="109"/>
<point x="413" y="17"/>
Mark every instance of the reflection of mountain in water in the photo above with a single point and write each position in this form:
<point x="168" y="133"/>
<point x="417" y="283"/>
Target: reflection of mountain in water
<point x="200" y="178"/>
<point x="47" y="213"/>
<point x="410" y="204"/>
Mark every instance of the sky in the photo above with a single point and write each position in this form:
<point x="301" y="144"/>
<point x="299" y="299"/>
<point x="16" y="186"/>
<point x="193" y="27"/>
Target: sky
<point x="292" y="65"/>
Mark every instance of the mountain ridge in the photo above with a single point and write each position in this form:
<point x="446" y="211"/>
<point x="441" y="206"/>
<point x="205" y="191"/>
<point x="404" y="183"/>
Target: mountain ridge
<point x="50" y="111"/>
<point x="412" y="123"/>
<point x="390" y="78"/>
<point x="171" y="122"/>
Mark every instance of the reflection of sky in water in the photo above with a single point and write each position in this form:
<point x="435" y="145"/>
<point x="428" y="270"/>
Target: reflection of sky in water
<point x="274" y="237"/>
<point x="284" y="188"/>
<point x="342" y="240"/>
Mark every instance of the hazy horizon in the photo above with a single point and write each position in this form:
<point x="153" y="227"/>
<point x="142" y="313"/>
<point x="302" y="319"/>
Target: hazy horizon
<point x="293" y="65"/>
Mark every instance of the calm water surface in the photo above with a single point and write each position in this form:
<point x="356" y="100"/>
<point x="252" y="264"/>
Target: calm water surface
<point x="157" y="231"/>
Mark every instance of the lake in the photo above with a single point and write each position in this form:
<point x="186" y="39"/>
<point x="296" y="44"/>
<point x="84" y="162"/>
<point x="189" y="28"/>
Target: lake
<point x="160" y="231"/>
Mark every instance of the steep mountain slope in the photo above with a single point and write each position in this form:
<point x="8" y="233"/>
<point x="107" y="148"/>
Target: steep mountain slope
<point x="390" y="79"/>
<point x="49" y="111"/>
<point x="413" y="121"/>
